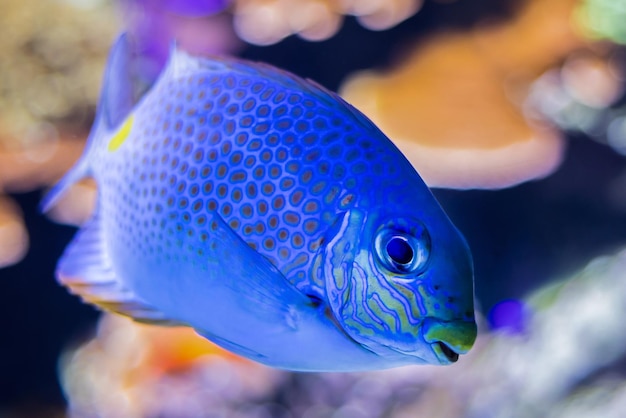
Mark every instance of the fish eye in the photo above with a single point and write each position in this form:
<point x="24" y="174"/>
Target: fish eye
<point x="403" y="252"/>
<point x="399" y="250"/>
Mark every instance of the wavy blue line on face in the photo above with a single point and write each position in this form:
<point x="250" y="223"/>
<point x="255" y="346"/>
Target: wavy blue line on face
<point x="393" y="290"/>
<point x="362" y="296"/>
<point x="366" y="281"/>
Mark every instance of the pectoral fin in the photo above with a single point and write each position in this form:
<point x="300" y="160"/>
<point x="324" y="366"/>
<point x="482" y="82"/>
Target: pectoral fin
<point x="257" y="313"/>
<point x="248" y="280"/>
<point x="246" y="305"/>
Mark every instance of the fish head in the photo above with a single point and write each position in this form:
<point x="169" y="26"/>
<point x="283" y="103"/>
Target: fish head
<point x="402" y="282"/>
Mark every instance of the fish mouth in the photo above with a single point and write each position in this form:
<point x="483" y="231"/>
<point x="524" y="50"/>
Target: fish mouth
<point x="445" y="354"/>
<point x="449" y="339"/>
<point x="442" y="353"/>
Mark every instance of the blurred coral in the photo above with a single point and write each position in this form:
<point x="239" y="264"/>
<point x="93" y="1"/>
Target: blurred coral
<point x="35" y="166"/>
<point x="134" y="370"/>
<point x="592" y="79"/>
<point x="49" y="82"/>
<point x="76" y="205"/>
<point x="567" y="358"/>
<point x="198" y="26"/>
<point x="53" y="54"/>
<point x="38" y="165"/>
<point x="578" y="96"/>
<point x="13" y="235"/>
<point x="265" y="22"/>
<point x="603" y="19"/>
<point x="454" y="106"/>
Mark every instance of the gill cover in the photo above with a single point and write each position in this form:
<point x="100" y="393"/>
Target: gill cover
<point x="375" y="306"/>
<point x="339" y="257"/>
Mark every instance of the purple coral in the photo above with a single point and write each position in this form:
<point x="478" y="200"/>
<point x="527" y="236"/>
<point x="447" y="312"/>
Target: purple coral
<point x="198" y="26"/>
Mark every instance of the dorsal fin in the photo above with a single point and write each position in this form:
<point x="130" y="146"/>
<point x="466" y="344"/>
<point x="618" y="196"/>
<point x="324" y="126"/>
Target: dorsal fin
<point x="117" y="95"/>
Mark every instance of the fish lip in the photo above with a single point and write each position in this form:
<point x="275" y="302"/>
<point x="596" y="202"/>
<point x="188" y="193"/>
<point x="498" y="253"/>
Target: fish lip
<point x="423" y="359"/>
<point x="440" y="353"/>
<point x="444" y="353"/>
<point x="448" y="347"/>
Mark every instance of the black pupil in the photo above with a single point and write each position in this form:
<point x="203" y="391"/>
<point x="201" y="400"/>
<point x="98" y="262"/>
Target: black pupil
<point x="400" y="251"/>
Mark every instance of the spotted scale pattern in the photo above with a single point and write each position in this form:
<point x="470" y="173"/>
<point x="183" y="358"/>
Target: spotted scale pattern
<point x="277" y="161"/>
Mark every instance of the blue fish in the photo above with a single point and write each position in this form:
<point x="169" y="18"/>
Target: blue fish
<point x="269" y="215"/>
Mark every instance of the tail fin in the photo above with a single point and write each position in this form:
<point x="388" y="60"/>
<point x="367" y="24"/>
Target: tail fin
<point x="116" y="102"/>
<point x="79" y="171"/>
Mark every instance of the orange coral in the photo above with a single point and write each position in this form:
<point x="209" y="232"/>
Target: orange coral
<point x="171" y="349"/>
<point x="454" y="107"/>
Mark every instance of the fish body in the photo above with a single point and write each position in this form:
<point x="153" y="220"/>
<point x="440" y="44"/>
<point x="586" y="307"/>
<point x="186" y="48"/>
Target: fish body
<point x="269" y="215"/>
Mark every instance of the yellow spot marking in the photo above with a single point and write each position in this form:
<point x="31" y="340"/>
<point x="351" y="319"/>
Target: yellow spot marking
<point x="121" y="135"/>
